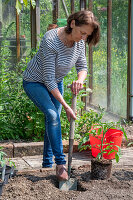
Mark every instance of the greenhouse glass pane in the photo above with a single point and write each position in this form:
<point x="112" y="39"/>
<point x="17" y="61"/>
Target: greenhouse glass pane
<point x="46" y="15"/>
<point x="7" y="30"/>
<point x="77" y="5"/>
<point x="119" y="53"/>
<point x="62" y="13"/>
<point x="99" y="96"/>
<point x="25" y="31"/>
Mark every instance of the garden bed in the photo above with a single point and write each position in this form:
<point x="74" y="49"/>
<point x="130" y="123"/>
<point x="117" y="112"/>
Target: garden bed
<point x="44" y="185"/>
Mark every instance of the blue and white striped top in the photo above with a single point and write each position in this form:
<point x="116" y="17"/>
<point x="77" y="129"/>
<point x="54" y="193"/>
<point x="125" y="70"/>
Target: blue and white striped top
<point x="54" y="60"/>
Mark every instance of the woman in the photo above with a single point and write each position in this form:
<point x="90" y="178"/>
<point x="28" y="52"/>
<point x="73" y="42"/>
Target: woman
<point x="59" y="51"/>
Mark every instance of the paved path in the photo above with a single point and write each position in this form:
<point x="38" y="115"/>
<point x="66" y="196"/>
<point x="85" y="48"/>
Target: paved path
<point x="28" y="163"/>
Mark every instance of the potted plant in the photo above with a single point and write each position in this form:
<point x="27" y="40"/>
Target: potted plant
<point x="1" y="182"/>
<point x="105" y="142"/>
<point x="2" y="172"/>
<point x="6" y="166"/>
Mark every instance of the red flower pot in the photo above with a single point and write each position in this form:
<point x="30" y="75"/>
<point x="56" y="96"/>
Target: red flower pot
<point x="112" y="136"/>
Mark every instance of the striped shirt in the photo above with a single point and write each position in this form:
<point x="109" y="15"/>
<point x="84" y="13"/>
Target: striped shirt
<point x="54" y="60"/>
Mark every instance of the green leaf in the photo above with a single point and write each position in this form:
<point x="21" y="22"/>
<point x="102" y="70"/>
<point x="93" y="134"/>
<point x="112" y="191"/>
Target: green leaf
<point x="107" y="148"/>
<point x="111" y="142"/>
<point x="125" y="135"/>
<point x="99" y="131"/>
<point x="117" y="157"/>
<point x="85" y="139"/>
<point x="83" y="147"/>
<point x="99" y="156"/>
<point x="93" y="132"/>
<point x="25" y="2"/>
<point x="129" y="144"/>
<point x="83" y="95"/>
<point x="112" y="150"/>
<point x="104" y="152"/>
<point x="11" y="163"/>
<point x="18" y="7"/>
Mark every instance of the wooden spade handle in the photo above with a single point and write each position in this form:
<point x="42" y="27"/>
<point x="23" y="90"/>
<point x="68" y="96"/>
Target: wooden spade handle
<point x="71" y="134"/>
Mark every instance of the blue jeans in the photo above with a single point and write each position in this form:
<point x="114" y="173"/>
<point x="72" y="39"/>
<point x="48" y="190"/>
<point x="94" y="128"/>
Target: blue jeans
<point x="51" y="108"/>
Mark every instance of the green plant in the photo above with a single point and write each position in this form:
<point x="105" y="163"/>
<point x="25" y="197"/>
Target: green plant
<point x="87" y="119"/>
<point x="103" y="127"/>
<point x="5" y="161"/>
<point x="20" y="119"/>
<point x="2" y="154"/>
<point x="130" y="144"/>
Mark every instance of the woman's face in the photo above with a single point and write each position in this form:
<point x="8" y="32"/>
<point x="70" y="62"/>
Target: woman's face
<point x="80" y="32"/>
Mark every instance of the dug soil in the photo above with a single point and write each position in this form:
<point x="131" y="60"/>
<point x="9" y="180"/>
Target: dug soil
<point x="44" y="185"/>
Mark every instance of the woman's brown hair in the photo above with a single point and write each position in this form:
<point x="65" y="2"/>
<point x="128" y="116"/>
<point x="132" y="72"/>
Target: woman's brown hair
<point x="85" y="17"/>
<point x="51" y="26"/>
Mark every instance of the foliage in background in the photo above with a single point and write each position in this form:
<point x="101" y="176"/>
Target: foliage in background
<point x="19" y="118"/>
<point x="19" y="4"/>
<point x="46" y="17"/>
<point x="87" y="120"/>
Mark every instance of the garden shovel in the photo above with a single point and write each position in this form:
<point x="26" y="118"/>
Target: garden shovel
<point x="71" y="183"/>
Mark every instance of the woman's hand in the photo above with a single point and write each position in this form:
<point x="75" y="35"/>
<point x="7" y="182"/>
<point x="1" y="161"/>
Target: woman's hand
<point x="76" y="86"/>
<point x="69" y="112"/>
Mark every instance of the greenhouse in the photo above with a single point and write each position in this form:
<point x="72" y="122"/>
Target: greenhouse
<point x="94" y="122"/>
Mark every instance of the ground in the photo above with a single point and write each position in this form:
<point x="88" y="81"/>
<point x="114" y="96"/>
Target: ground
<point x="44" y="185"/>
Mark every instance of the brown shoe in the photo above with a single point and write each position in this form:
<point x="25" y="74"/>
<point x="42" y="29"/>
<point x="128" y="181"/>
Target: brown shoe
<point x="61" y="173"/>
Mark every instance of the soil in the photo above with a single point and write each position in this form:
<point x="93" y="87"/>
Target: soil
<point x="44" y="185"/>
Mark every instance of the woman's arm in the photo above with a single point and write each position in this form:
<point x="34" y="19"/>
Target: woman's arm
<point x="76" y="87"/>
<point x="82" y="70"/>
<point x="56" y="93"/>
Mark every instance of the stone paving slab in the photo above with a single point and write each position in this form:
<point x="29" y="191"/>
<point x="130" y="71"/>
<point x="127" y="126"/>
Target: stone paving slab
<point x="27" y="163"/>
<point x="33" y="161"/>
<point x="126" y="160"/>
<point x="79" y="159"/>
<point x="21" y="164"/>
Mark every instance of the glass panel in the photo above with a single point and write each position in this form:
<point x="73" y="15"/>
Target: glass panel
<point x="25" y="31"/>
<point x="68" y="5"/>
<point x="7" y="30"/>
<point x="119" y="57"/>
<point x="46" y="16"/>
<point x="119" y="51"/>
<point x="77" y="5"/>
<point x="62" y="13"/>
<point x="99" y="96"/>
